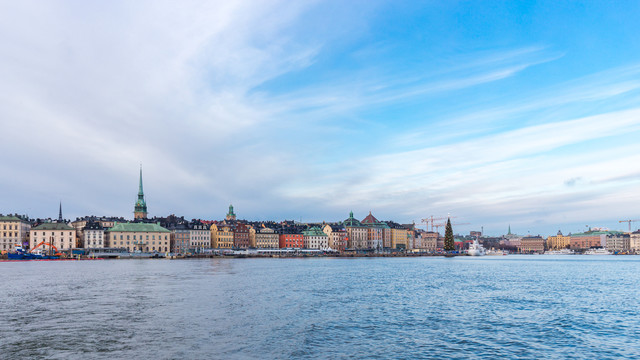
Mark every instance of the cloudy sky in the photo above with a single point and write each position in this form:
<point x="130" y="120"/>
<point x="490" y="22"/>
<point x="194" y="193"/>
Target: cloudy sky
<point x="494" y="112"/>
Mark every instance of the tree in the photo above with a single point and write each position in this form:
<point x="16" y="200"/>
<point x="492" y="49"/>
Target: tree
<point x="448" y="237"/>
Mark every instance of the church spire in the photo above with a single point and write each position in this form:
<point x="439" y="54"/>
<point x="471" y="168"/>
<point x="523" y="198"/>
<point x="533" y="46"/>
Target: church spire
<point x="60" y="213"/>
<point x="140" y="209"/>
<point x="509" y="233"/>
<point x="140" y="192"/>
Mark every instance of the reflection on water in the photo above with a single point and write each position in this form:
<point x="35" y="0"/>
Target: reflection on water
<point x="515" y="306"/>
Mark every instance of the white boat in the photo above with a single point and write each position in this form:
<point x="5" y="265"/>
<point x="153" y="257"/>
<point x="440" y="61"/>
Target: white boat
<point x="496" y="252"/>
<point x="559" y="252"/>
<point x="598" y="251"/>
<point x="475" y="249"/>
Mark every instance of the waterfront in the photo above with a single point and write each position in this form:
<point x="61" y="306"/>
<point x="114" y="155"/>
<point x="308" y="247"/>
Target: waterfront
<point x="465" y="307"/>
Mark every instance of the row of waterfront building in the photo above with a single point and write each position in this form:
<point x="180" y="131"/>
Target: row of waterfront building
<point x="177" y="235"/>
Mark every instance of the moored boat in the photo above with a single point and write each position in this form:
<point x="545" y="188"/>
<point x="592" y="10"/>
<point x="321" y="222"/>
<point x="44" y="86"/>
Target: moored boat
<point x="476" y="249"/>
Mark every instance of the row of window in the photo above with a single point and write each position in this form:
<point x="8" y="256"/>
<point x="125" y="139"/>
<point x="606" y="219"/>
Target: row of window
<point x="44" y="233"/>
<point x="153" y="237"/>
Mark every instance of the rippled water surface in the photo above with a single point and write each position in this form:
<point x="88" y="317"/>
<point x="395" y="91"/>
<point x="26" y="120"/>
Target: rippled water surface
<point x="402" y="308"/>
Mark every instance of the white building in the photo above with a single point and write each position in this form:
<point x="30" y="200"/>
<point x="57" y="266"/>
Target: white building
<point x="314" y="238"/>
<point x="199" y="236"/>
<point x="93" y="236"/>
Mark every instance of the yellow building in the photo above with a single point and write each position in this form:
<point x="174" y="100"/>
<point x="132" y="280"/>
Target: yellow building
<point x="13" y="232"/>
<point x="145" y="237"/>
<point x="399" y="236"/>
<point x="558" y="242"/>
<point x="221" y="236"/>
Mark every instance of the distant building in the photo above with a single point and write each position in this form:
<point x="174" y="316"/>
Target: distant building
<point x="589" y="239"/>
<point x="290" y="238"/>
<point x="634" y="242"/>
<point x="399" y="236"/>
<point x="199" y="236"/>
<point x="93" y="236"/>
<point x="144" y="237"/>
<point x="180" y="238"/>
<point x="267" y="238"/>
<point x="14" y="231"/>
<point x="221" y="236"/>
<point x="375" y="231"/>
<point x="428" y="240"/>
<point x="336" y="236"/>
<point x="532" y="244"/>
<point x="558" y="242"/>
<point x="618" y="242"/>
<point x="231" y="215"/>
<point x="356" y="233"/>
<point x="241" y="236"/>
<point x="55" y="234"/>
<point x="314" y="238"/>
<point x="140" y="209"/>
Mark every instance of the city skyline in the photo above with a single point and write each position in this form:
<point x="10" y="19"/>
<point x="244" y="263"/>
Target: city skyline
<point x="510" y="114"/>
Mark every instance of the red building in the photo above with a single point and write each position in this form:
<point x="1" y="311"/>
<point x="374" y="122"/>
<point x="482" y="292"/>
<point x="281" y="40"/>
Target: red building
<point x="241" y="236"/>
<point x="291" y="240"/>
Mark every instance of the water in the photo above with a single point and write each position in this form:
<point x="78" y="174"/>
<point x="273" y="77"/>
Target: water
<point x="378" y="308"/>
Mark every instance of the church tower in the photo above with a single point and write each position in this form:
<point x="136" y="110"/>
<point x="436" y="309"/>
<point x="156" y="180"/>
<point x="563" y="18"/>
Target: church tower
<point x="140" y="210"/>
<point x="231" y="215"/>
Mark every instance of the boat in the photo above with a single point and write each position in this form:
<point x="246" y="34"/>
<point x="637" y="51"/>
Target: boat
<point x="597" y="251"/>
<point x="476" y="249"/>
<point x="498" y="252"/>
<point x="21" y="254"/>
<point x="559" y="252"/>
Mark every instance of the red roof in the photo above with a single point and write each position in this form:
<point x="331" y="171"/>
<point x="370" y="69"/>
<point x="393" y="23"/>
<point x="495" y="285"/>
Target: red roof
<point x="370" y="219"/>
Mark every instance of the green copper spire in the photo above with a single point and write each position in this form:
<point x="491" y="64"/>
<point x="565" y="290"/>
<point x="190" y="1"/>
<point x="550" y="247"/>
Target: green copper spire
<point x="140" y="210"/>
<point x="509" y="233"/>
<point x="140" y="192"/>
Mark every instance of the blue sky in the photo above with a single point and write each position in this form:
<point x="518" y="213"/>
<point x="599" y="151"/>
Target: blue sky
<point x="498" y="113"/>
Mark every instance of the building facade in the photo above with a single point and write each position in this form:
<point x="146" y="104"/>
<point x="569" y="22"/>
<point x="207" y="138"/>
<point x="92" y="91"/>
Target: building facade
<point x="221" y="236"/>
<point x="58" y="235"/>
<point x="93" y="236"/>
<point x="532" y="244"/>
<point x="14" y="231"/>
<point x="267" y="238"/>
<point x="290" y="238"/>
<point x="314" y="238"/>
<point x="336" y="235"/>
<point x="618" y="243"/>
<point x="558" y="242"/>
<point x="139" y="237"/>
<point x="199" y="236"/>
<point x="356" y="233"/>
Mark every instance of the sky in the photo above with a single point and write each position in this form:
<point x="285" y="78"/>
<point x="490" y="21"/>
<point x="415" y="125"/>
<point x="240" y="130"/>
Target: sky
<point x="520" y="113"/>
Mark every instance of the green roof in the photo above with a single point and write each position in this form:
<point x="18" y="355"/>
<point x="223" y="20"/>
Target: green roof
<point x="138" y="227"/>
<point x="10" y="218"/>
<point x="596" y="233"/>
<point x="53" y="226"/>
<point x="314" y="231"/>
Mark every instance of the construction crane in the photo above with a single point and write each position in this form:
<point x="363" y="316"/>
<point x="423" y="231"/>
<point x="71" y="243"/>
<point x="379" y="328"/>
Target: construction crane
<point x="628" y="221"/>
<point x="431" y="219"/>
<point x="438" y="226"/>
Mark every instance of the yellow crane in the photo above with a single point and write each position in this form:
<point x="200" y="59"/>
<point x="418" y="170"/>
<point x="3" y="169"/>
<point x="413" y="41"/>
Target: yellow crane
<point x="628" y="221"/>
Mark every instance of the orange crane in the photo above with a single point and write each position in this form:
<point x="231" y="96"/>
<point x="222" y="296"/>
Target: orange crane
<point x="50" y="245"/>
<point x="431" y="219"/>
<point x="628" y="221"/>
